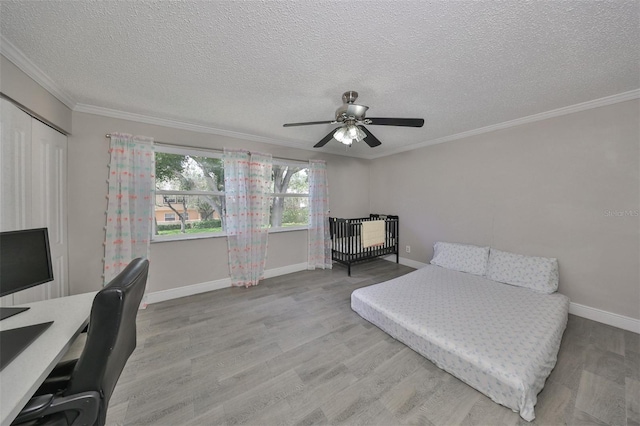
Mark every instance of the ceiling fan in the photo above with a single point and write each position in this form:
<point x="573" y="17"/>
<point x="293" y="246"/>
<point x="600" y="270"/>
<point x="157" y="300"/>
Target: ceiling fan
<point x="351" y="117"/>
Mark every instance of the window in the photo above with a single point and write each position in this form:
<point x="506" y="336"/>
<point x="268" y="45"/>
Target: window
<point x="290" y="198"/>
<point x="189" y="187"/>
<point x="190" y="193"/>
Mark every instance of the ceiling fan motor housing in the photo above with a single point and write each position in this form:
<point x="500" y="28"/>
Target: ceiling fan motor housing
<point x="351" y="112"/>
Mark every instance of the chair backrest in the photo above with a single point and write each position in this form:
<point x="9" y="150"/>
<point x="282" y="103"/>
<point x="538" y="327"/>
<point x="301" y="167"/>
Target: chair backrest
<point x="111" y="337"/>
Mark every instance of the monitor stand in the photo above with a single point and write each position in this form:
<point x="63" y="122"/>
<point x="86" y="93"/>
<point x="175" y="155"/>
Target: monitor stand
<point x="9" y="312"/>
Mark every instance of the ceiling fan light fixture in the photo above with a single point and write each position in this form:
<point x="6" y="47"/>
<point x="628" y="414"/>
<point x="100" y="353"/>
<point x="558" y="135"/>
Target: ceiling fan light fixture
<point x="351" y="117"/>
<point x="349" y="134"/>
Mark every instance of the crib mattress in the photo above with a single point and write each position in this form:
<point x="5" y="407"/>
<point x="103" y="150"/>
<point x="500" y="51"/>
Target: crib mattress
<point x="500" y="339"/>
<point x="351" y="245"/>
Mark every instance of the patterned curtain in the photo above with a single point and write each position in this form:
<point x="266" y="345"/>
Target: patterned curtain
<point x="130" y="202"/>
<point x="247" y="185"/>
<point x="319" y="240"/>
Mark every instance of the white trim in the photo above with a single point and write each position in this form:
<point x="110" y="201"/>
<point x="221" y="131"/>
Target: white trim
<point x="175" y="124"/>
<point x="596" y="103"/>
<point x="283" y="270"/>
<point x="605" y="317"/>
<point x="190" y="290"/>
<point x="179" y="150"/>
<point x="609" y="318"/>
<point x="187" y="237"/>
<point x="406" y="262"/>
<point x="15" y="55"/>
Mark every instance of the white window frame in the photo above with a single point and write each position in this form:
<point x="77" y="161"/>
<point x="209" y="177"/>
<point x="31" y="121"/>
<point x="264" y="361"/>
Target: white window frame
<point x="168" y="149"/>
<point x="281" y="162"/>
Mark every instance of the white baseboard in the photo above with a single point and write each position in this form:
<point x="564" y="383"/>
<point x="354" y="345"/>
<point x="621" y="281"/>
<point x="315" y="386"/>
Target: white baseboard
<point x="190" y="290"/>
<point x="187" y="290"/>
<point x="605" y="317"/>
<point x="406" y="262"/>
<point x="283" y="270"/>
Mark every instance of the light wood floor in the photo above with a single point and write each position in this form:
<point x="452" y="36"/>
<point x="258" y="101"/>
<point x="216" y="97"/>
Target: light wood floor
<point x="291" y="351"/>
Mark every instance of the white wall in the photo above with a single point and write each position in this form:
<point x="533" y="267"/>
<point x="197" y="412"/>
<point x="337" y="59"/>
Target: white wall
<point x="180" y="263"/>
<point x="540" y="189"/>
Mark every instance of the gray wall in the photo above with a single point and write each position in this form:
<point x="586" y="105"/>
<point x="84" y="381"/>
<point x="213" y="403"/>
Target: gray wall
<point x="541" y="189"/>
<point x="22" y="89"/>
<point x="181" y="263"/>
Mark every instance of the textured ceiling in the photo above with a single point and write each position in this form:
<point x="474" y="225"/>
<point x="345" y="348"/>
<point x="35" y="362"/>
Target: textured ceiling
<point x="250" y="66"/>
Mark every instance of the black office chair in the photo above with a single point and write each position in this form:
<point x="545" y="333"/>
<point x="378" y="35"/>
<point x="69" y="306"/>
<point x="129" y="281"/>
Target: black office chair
<point x="77" y="392"/>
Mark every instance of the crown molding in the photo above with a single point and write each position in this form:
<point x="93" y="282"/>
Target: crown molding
<point x="123" y="115"/>
<point x="175" y="124"/>
<point x="15" y="55"/>
<point x="596" y="103"/>
<point x="181" y="125"/>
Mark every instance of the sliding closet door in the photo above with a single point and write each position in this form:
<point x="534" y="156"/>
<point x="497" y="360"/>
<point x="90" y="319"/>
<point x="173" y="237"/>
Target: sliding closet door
<point x="49" y="200"/>
<point x="33" y="191"/>
<point x="15" y="167"/>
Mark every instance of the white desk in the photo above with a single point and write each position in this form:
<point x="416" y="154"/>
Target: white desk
<point x="22" y="376"/>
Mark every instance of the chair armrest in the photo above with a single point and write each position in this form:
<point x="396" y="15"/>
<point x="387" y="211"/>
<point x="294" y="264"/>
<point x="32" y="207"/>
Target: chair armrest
<point x="64" y="368"/>
<point x="34" y="408"/>
<point x="86" y="404"/>
<point x="58" y="379"/>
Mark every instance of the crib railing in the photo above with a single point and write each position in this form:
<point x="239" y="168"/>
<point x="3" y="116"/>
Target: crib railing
<point x="346" y="243"/>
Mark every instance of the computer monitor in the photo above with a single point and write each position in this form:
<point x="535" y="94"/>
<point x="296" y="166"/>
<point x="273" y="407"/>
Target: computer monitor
<point x="25" y="262"/>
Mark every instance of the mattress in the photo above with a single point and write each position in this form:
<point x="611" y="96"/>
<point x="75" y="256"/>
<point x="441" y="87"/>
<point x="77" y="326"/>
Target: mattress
<point x="500" y="339"/>
<point x="347" y="244"/>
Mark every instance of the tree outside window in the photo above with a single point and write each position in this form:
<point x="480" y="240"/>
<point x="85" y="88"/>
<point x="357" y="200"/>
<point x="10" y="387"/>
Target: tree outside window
<point x="190" y="186"/>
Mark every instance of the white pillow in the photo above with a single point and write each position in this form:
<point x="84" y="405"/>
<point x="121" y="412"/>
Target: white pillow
<point x="461" y="257"/>
<point x="536" y="273"/>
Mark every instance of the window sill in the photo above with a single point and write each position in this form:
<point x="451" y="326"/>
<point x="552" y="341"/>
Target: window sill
<point x="287" y="229"/>
<point x="187" y="237"/>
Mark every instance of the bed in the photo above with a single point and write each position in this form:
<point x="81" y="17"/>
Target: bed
<point x="503" y="340"/>
<point x="346" y="240"/>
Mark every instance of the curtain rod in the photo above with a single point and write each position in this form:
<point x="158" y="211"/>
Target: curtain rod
<point x="172" y="145"/>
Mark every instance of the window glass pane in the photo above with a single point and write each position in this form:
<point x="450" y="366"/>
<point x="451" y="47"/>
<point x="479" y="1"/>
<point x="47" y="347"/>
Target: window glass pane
<point x="189" y="173"/>
<point x="289" y="211"/>
<point x="188" y="214"/>
<point x="290" y="179"/>
<point x="184" y="170"/>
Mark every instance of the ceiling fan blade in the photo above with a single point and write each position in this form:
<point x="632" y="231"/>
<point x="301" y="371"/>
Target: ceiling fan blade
<point x="325" y="140"/>
<point x="406" y="122"/>
<point x="371" y="140"/>
<point x="307" y="123"/>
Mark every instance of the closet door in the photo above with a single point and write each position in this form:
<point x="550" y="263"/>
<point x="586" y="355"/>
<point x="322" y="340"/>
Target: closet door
<point x="33" y="191"/>
<point x="15" y="167"/>
<point x="49" y="201"/>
